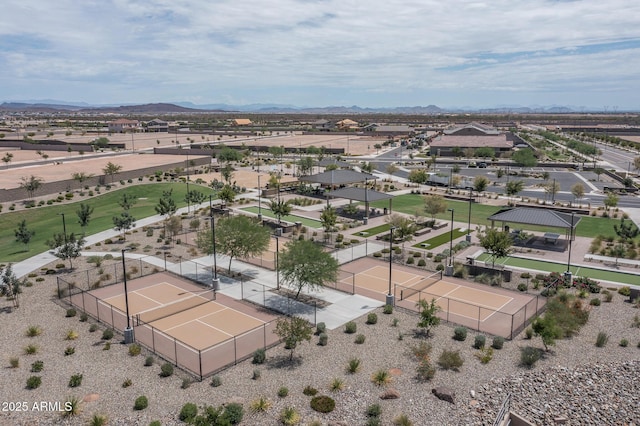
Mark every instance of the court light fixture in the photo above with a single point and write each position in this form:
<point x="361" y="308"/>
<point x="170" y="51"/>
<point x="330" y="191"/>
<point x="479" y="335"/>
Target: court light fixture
<point x="390" y="297"/>
<point x="128" y="332"/>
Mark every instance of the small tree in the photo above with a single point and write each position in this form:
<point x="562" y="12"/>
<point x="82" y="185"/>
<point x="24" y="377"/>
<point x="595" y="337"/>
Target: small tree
<point x="418" y="176"/>
<point x="514" y="187"/>
<point x="391" y="169"/>
<point x="10" y="285"/>
<point x="31" y="184"/>
<point x="293" y="331"/>
<point x="304" y="264"/>
<point x="611" y="201"/>
<point x="23" y="234"/>
<point x="480" y="183"/>
<point x="111" y="169"/>
<point x="328" y="218"/>
<point x="525" y="157"/>
<point x="226" y="172"/>
<point x="67" y="249"/>
<point x="428" y="315"/>
<point x="598" y="171"/>
<point x="618" y="251"/>
<point x="81" y="177"/>
<point x="280" y="208"/>
<point x="434" y="204"/>
<point x="7" y="158"/>
<point x="194" y="197"/>
<point x="124" y="222"/>
<point x="237" y="237"/>
<point x="552" y="188"/>
<point x="127" y="201"/>
<point x="627" y="231"/>
<point x="84" y="213"/>
<point x="227" y="194"/>
<point x="577" y="191"/>
<point x="547" y="329"/>
<point x="305" y="165"/>
<point x="404" y="227"/>
<point x="497" y="243"/>
<point x="174" y="226"/>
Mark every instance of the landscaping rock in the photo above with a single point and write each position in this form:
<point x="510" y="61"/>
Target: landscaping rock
<point x="444" y="393"/>
<point x="390" y="393"/>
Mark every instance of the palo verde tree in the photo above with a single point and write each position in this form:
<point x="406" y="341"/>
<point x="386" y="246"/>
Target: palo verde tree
<point x="611" y="201"/>
<point x="404" y="227"/>
<point x="547" y="329"/>
<point x="66" y="248"/>
<point x="577" y="191"/>
<point x="84" y="213"/>
<point x="480" y="183"/>
<point x="227" y="194"/>
<point x="328" y="218"/>
<point x="23" y="234"/>
<point x="31" y="184"/>
<point x="293" y="330"/>
<point x="304" y="264"/>
<point x="525" y="157"/>
<point x="497" y="243"/>
<point x="514" y="187"/>
<point x="236" y="236"/>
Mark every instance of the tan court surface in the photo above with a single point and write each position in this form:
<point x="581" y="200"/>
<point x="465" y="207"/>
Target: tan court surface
<point x="494" y="310"/>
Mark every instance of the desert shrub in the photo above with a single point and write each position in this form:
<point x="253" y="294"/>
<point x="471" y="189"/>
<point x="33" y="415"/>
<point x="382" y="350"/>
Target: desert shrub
<point x="394" y="322"/>
<point x="323" y="404"/>
<point x="485" y="354"/>
<point x="93" y="328"/>
<point x="460" y="333"/>
<point x="14" y="362"/>
<point x="350" y="327"/>
<point x="309" y="390"/>
<point x="98" y="420"/>
<point x="72" y="406"/>
<point x="233" y="413"/>
<point x="360" y="338"/>
<point x="529" y="356"/>
<point x="425" y="370"/>
<point x="387" y="310"/>
<point x="354" y="365"/>
<point x="498" y="342"/>
<point x="624" y="343"/>
<point x="84" y="317"/>
<point x="410" y="261"/>
<point x="421" y="350"/>
<point x="608" y="296"/>
<point x="107" y="334"/>
<point x="70" y="313"/>
<point x="259" y="356"/>
<point x="216" y="381"/>
<point x="260" y="405"/>
<point x="126" y="383"/>
<point x="70" y="350"/>
<point x="148" y="361"/>
<point x="289" y="416"/>
<point x="37" y="367"/>
<point x="402" y="420"/>
<point x="337" y="384"/>
<point x="528" y="333"/>
<point x="256" y="374"/>
<point x="372" y="318"/>
<point x="75" y="380"/>
<point x="322" y="339"/>
<point x="321" y="327"/>
<point x="602" y="339"/>
<point x="381" y="378"/>
<point x="71" y="335"/>
<point x="107" y="346"/>
<point x="34" y="382"/>
<point x="166" y="370"/>
<point x="141" y="403"/>
<point x="479" y="341"/>
<point x="522" y="287"/>
<point x="283" y="392"/>
<point x="186" y="383"/>
<point x="625" y="291"/>
<point x="33" y="331"/>
<point x="450" y="360"/>
<point x="31" y="350"/>
<point x="595" y="302"/>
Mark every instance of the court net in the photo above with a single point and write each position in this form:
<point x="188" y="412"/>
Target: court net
<point x="175" y="307"/>
<point x="406" y="292"/>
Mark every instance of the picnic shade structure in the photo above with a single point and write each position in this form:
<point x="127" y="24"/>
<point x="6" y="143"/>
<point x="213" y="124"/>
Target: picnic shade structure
<point x="540" y="217"/>
<point x="365" y="195"/>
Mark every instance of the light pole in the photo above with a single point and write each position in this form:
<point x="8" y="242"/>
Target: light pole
<point x="449" y="269"/>
<point x="567" y="275"/>
<point x="259" y="200"/>
<point x="64" y="228"/>
<point x="277" y="262"/>
<point x="128" y="332"/>
<point x="468" y="237"/>
<point x="390" y="297"/>
<point x="188" y="194"/>
<point x="215" y="281"/>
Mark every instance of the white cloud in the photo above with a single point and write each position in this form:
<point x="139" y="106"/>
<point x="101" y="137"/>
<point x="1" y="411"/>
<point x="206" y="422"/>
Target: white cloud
<point x="371" y="53"/>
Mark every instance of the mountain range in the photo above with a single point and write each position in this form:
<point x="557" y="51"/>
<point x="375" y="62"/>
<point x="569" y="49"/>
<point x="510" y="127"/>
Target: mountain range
<point x="52" y="106"/>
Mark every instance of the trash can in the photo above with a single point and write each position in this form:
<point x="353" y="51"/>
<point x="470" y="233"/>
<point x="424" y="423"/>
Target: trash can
<point x="385" y="211"/>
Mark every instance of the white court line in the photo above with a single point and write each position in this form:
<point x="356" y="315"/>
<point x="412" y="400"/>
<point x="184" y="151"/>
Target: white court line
<point x="479" y="305"/>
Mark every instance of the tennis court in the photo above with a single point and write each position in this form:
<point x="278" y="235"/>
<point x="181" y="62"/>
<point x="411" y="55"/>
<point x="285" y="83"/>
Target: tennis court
<point x="193" y="327"/>
<point x="493" y="310"/>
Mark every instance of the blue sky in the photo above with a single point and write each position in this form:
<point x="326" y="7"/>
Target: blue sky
<point x="373" y="53"/>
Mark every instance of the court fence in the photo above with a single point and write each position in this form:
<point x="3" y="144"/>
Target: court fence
<point x="201" y="363"/>
<point x="281" y="301"/>
<point x="475" y="317"/>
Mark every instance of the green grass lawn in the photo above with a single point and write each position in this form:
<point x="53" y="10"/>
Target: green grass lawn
<point x="589" y="226"/>
<point x="440" y="239"/>
<point x="310" y="223"/>
<point x="374" y="231"/>
<point x="542" y="265"/>
<point x="46" y="221"/>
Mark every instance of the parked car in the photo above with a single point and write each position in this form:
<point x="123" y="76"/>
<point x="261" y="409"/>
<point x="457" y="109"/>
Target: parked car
<point x="482" y="165"/>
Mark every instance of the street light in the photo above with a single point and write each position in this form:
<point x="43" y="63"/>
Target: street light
<point x="259" y="200"/>
<point x="390" y="297"/>
<point x="468" y="238"/>
<point x="64" y="228"/>
<point x="128" y="332"/>
<point x="215" y="281"/>
<point x="567" y="275"/>
<point x="449" y="269"/>
<point x="277" y="262"/>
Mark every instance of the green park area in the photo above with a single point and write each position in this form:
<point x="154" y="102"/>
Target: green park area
<point x="47" y="221"/>
<point x="438" y="240"/>
<point x="310" y="223"/>
<point x="589" y="226"/>
<point x="546" y="266"/>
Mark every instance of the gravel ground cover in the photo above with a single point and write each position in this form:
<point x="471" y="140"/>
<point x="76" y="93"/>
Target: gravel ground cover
<point x="576" y="380"/>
